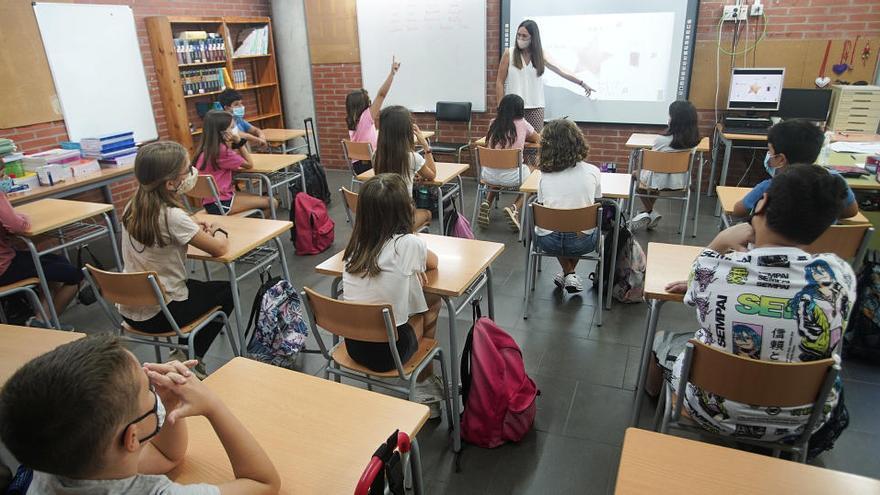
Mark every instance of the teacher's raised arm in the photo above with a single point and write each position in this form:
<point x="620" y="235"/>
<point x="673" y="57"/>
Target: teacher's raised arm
<point x="521" y="68"/>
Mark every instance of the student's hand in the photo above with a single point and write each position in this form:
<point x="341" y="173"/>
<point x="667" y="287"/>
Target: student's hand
<point x="394" y="65"/>
<point x="419" y="137"/>
<point x="262" y="142"/>
<point x="228" y="137"/>
<point x="164" y="376"/>
<point x="677" y="287"/>
<point x="207" y="226"/>
<point x="192" y="397"/>
<point x="736" y="238"/>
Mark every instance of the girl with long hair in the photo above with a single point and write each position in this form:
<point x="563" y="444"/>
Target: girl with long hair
<point x="361" y="115"/>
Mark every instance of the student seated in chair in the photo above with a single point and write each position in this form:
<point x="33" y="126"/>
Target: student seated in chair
<point x="759" y="295"/>
<point x="88" y="418"/>
<point x="788" y="142"/>
<point x="230" y="101"/>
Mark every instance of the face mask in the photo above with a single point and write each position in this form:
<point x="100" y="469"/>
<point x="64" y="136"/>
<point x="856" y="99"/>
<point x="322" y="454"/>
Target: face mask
<point x="771" y="170"/>
<point x="523" y="44"/>
<point x="238" y="111"/>
<point x="160" y="413"/>
<point x="189" y="182"/>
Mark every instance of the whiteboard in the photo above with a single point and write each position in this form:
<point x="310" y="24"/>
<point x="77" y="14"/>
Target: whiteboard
<point x="96" y="64"/>
<point x="441" y="47"/>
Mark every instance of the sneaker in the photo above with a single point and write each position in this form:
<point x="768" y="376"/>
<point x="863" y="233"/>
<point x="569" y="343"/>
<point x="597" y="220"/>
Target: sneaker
<point x="512" y="217"/>
<point x="483" y="216"/>
<point x="429" y="391"/>
<point x="559" y="280"/>
<point x="640" y="221"/>
<point x="573" y="283"/>
<point x="654" y="220"/>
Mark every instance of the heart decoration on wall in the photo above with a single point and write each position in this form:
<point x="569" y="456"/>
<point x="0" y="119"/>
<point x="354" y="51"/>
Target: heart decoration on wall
<point x="821" y="82"/>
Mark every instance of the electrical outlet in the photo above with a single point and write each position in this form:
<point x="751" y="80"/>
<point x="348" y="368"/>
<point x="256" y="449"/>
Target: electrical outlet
<point x="756" y="10"/>
<point x="735" y="13"/>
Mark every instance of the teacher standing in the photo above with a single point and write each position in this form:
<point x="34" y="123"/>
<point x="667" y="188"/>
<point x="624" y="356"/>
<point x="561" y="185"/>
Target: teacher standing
<point x="522" y="66"/>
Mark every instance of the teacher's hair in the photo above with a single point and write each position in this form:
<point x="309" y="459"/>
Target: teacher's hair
<point x="562" y="146"/>
<point x="535" y="48"/>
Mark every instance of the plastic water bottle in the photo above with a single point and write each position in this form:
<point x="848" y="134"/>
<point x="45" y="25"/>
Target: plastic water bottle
<point x="825" y="152"/>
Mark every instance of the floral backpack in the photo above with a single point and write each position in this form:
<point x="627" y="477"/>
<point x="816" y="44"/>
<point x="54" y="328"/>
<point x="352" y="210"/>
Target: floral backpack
<point x="280" y="332"/>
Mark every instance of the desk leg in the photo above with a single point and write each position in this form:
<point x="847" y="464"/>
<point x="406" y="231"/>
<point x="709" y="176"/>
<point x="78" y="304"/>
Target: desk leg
<point x="722" y="179"/>
<point x="265" y="179"/>
<point x="236" y="300"/>
<point x="44" y="284"/>
<point x="108" y="198"/>
<point x="456" y="372"/>
<point x="440" y="211"/>
<point x="490" y="297"/>
<point x="699" y="191"/>
<point x="716" y="142"/>
<point x="284" y="268"/>
<point x="653" y="315"/>
<point x="615" y="240"/>
<point x="111" y="235"/>
<point x="416" y="461"/>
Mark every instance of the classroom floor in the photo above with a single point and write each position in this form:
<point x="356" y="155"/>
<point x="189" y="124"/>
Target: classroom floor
<point x="586" y="373"/>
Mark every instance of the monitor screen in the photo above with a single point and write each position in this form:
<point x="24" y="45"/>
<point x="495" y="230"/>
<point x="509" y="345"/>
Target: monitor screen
<point x="755" y="89"/>
<point x="800" y="103"/>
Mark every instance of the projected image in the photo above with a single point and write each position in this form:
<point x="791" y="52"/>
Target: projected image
<point x="623" y="56"/>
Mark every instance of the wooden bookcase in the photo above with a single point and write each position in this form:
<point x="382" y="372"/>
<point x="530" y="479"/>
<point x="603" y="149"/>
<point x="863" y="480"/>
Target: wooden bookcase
<point x="261" y="94"/>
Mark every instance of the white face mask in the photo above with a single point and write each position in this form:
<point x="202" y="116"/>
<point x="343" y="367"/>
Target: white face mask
<point x="188" y="183"/>
<point x="523" y="44"/>
<point x="160" y="412"/>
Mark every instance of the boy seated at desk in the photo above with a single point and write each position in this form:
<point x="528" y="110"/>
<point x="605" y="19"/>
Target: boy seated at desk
<point x="89" y="419"/>
<point x="788" y="142"/>
<point x="230" y="101"/>
<point x="759" y="295"/>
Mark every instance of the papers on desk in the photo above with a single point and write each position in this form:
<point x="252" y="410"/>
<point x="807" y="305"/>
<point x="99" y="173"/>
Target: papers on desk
<point x="869" y="148"/>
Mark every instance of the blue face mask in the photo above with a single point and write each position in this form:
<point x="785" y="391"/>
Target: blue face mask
<point x="769" y="168"/>
<point x="238" y="111"/>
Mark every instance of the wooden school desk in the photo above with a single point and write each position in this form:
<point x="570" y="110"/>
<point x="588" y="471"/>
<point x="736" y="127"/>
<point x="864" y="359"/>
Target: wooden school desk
<point x="18" y="345"/>
<point x="728" y="197"/>
<point x="319" y="434"/>
<point x="614" y="186"/>
<point x="270" y="170"/>
<point x="247" y="237"/>
<point x="282" y="136"/>
<point x="61" y="220"/>
<point x="482" y="142"/>
<point x="666" y="465"/>
<point x="446" y="173"/>
<point x="640" y="141"/>
<point x="464" y="267"/>
<point x="70" y="187"/>
<point x="666" y="263"/>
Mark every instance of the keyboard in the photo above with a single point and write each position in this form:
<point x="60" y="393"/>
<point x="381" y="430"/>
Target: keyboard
<point x="746" y="130"/>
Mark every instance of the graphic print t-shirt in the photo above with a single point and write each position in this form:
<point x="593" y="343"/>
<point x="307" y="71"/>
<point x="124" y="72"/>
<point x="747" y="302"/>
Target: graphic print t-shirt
<point x="773" y="304"/>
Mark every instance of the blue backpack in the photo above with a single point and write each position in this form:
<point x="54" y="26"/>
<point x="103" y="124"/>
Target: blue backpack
<point x="280" y="331"/>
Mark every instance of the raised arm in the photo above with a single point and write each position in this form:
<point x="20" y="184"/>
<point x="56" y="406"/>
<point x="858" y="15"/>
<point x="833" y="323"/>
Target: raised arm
<point x="566" y="75"/>
<point x="502" y="76"/>
<point x="429" y="169"/>
<point x="376" y="106"/>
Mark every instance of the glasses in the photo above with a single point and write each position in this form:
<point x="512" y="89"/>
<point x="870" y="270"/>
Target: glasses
<point x="154" y="410"/>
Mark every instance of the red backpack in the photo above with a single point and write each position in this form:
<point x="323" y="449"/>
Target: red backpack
<point x="314" y="227"/>
<point x="499" y="397"/>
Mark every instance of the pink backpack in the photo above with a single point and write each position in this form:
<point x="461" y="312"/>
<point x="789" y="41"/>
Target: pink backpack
<point x="314" y="227"/>
<point x="499" y="397"/>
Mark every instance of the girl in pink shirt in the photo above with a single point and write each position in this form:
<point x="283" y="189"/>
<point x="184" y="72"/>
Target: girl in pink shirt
<point x="63" y="277"/>
<point x="361" y="115"/>
<point x="508" y="130"/>
<point x="222" y="152"/>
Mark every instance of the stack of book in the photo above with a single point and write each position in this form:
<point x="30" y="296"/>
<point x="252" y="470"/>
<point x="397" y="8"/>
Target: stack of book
<point x="111" y="150"/>
<point x="11" y="158"/>
<point x="51" y="166"/>
<point x="195" y="47"/>
<point x="253" y="41"/>
<point x="198" y="81"/>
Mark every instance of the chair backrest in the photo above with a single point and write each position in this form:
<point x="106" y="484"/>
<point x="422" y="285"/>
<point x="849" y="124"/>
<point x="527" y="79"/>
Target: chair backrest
<point x="453" y="111"/>
<point x="760" y="383"/>
<point x="365" y="322"/>
<point x="351" y="200"/>
<point x="667" y="162"/>
<point x="499" y="158"/>
<point x="845" y="241"/>
<point x="355" y="150"/>
<point x="130" y="289"/>
<point x="566" y="220"/>
<point x="205" y="188"/>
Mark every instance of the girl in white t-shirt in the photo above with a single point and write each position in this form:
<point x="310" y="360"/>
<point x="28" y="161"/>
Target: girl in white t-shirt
<point x="156" y="231"/>
<point x="509" y="130"/>
<point x="681" y="134"/>
<point x="361" y="115"/>
<point x="386" y="263"/>
<point x="567" y="182"/>
<point x="396" y="151"/>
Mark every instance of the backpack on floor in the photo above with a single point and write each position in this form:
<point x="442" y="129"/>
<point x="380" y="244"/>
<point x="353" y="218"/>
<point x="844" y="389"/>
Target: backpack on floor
<point x="279" y="328"/>
<point x="456" y="225"/>
<point x="628" y="282"/>
<point x="313" y="228"/>
<point x="862" y="336"/>
<point x="498" y="395"/>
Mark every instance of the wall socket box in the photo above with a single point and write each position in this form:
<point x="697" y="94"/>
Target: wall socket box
<point x="735" y="12"/>
<point x="756" y="10"/>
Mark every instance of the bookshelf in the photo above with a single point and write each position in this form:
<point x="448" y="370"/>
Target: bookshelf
<point x="260" y="92"/>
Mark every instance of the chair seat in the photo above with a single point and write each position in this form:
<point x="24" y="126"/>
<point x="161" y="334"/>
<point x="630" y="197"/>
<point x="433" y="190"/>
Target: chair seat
<point x="185" y="329"/>
<point x="447" y="147"/>
<point x="21" y="283"/>
<point x="342" y="358"/>
<point x="248" y="213"/>
<point x="500" y="188"/>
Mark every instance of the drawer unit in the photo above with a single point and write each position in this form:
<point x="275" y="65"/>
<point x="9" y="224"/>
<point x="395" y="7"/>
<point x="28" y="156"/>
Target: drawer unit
<point x="855" y="108"/>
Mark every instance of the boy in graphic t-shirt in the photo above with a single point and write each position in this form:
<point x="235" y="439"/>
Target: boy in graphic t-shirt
<point x="759" y="295"/>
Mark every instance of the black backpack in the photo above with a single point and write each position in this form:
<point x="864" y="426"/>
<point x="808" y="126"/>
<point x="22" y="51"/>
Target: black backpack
<point x="862" y="336"/>
<point x="316" y="179"/>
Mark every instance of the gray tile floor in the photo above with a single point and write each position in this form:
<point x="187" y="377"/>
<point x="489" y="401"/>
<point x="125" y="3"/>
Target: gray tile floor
<point x="586" y="373"/>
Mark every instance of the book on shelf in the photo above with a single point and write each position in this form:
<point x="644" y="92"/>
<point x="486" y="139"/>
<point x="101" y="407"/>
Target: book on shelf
<point x="199" y="81"/>
<point x="253" y="41"/>
<point x="194" y="51"/>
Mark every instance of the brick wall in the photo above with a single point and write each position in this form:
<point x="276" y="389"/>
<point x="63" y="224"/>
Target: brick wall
<point x="788" y="19"/>
<point x="40" y="137"/>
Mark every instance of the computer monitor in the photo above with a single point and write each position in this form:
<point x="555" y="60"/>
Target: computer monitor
<point x="755" y="89"/>
<point x="800" y="103"/>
